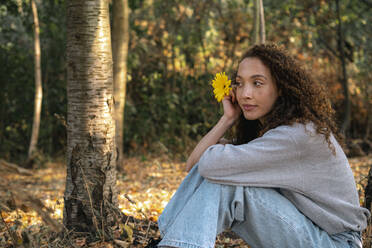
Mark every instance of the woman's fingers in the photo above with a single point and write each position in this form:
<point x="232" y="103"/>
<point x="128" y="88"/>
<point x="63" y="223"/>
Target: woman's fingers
<point x="228" y="97"/>
<point x="232" y="93"/>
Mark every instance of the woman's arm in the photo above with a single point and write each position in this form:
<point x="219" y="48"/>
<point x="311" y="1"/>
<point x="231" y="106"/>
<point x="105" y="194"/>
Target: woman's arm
<point x="231" y="113"/>
<point x="211" y="138"/>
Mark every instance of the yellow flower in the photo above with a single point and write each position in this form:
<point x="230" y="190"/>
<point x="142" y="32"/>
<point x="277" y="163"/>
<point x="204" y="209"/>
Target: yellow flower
<point x="221" y="86"/>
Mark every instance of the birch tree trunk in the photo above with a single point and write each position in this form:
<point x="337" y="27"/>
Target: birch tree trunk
<point x="38" y="86"/>
<point x="262" y="23"/>
<point x="91" y="151"/>
<point x="259" y="33"/>
<point x="120" y="39"/>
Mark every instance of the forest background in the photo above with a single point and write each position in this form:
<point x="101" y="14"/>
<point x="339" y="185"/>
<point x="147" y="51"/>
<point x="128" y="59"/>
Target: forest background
<point x="175" y="48"/>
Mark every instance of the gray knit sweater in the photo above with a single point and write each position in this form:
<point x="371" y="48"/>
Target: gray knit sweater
<point x="298" y="162"/>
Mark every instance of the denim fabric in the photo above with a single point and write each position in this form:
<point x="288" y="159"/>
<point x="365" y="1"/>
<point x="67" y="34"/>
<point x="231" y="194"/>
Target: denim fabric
<point x="200" y="210"/>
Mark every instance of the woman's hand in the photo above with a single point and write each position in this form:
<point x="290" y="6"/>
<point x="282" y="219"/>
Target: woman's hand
<point x="231" y="113"/>
<point x="231" y="108"/>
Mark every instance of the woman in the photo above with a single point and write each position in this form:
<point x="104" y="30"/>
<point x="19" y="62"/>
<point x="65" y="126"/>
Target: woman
<point x="286" y="181"/>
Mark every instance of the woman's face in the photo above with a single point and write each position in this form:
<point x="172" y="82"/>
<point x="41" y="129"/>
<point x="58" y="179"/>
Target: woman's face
<point x="256" y="91"/>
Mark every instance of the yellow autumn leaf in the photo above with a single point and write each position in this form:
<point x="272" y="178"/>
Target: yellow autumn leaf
<point x="128" y="230"/>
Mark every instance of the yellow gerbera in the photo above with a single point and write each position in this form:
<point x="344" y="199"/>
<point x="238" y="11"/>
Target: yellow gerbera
<point x="221" y="86"/>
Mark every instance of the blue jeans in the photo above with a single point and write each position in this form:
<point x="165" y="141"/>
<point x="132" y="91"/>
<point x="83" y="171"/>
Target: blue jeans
<point x="262" y="217"/>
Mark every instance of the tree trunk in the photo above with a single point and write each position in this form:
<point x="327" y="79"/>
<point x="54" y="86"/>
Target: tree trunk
<point x="344" y="79"/>
<point x="368" y="190"/>
<point x="262" y="23"/>
<point x="38" y="86"/>
<point x="120" y="39"/>
<point x="368" y="90"/>
<point x="368" y="205"/>
<point x="90" y="190"/>
<point x="259" y="33"/>
<point x="256" y="22"/>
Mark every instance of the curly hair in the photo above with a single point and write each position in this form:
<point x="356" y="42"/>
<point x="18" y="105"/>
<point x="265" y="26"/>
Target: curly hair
<point x="301" y="99"/>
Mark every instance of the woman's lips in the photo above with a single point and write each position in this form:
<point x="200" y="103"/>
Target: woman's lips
<point x="248" y="107"/>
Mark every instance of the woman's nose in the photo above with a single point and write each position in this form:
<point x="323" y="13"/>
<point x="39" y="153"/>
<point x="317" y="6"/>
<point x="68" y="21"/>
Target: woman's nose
<point x="247" y="91"/>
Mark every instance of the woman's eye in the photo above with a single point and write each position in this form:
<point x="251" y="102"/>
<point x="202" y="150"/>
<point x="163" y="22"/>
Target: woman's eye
<point x="258" y="83"/>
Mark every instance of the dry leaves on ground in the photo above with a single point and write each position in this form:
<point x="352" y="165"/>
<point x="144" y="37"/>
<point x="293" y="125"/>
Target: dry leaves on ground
<point x="145" y="187"/>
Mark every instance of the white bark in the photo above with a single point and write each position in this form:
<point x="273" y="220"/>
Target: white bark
<point x="91" y="150"/>
<point x="262" y="23"/>
<point x="259" y="32"/>
<point x="38" y="86"/>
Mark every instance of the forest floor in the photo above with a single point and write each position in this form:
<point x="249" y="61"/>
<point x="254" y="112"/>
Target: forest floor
<point x="145" y="186"/>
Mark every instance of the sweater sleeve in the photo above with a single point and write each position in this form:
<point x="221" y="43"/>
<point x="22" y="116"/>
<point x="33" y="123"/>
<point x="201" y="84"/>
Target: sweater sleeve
<point x="268" y="161"/>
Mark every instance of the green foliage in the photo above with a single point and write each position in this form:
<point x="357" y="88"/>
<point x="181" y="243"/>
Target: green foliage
<point x="168" y="113"/>
<point x="17" y="79"/>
